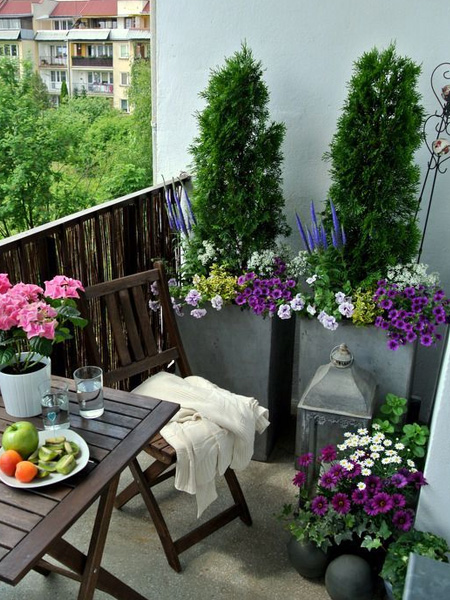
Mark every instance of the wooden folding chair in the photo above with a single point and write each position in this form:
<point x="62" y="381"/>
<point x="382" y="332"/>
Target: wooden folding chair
<point x="124" y="301"/>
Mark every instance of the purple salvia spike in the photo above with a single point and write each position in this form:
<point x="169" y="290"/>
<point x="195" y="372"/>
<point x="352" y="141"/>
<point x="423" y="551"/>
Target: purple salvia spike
<point x="323" y="237"/>
<point x="315" y="235"/>
<point x="333" y="239"/>
<point x="170" y="214"/>
<point x="310" y="241"/>
<point x="337" y="228"/>
<point x="302" y="233"/>
<point x="194" y="220"/>
<point x="180" y="213"/>
<point x="313" y="214"/>
<point x="344" y="237"/>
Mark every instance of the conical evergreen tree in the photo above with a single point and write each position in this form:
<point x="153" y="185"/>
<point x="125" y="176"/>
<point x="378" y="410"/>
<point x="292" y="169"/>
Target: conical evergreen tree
<point x="374" y="178"/>
<point x="237" y="201"/>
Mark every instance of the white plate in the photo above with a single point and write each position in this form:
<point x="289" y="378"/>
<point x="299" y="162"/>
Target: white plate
<point x="82" y="459"/>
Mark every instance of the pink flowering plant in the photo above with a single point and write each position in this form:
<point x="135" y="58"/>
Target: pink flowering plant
<point x="365" y="487"/>
<point x="33" y="319"/>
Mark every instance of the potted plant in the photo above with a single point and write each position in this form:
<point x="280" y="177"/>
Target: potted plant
<point x="363" y="492"/>
<point x="32" y="320"/>
<point x="395" y="565"/>
<point x="236" y="210"/>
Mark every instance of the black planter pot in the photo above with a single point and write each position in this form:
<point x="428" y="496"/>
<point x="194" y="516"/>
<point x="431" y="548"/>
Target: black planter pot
<point x="349" y="577"/>
<point x="307" y="559"/>
<point x="375" y="558"/>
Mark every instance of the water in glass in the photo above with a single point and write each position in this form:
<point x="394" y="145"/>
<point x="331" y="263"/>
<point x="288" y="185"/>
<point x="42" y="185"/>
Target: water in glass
<point x="55" y="410"/>
<point x="90" y="398"/>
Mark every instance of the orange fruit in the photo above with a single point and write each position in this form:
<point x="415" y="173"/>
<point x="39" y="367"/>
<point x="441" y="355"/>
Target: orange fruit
<point x="8" y="462"/>
<point x="26" y="471"/>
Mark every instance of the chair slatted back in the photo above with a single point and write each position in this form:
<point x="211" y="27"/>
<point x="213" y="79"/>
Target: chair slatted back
<point x="137" y="343"/>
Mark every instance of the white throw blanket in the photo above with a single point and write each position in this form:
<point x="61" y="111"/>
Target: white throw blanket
<point x="213" y="429"/>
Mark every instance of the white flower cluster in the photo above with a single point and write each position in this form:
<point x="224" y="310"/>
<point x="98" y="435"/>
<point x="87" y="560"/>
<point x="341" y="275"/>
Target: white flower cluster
<point x="411" y="275"/>
<point x="298" y="266"/>
<point x="209" y="255"/>
<point x="262" y="262"/>
<point x="366" y="450"/>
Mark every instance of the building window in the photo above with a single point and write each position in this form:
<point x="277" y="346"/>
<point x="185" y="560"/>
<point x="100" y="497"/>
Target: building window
<point x="8" y="50"/>
<point x="63" y="24"/>
<point x="97" y="51"/>
<point x="58" y="76"/>
<point x="100" y="77"/>
<point x="124" y="105"/>
<point x="124" y="79"/>
<point x="10" y="24"/>
<point x="124" y="51"/>
<point x="130" y="22"/>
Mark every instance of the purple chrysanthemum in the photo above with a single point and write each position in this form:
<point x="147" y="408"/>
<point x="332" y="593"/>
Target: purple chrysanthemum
<point x="373" y="484"/>
<point x="328" y="480"/>
<point x="305" y="459"/>
<point x="399" y="481"/>
<point x="337" y="471"/>
<point x="359" y="496"/>
<point x="299" y="479"/>
<point x="403" y="519"/>
<point x="398" y="500"/>
<point x="341" y="503"/>
<point x="355" y="471"/>
<point x="382" y="502"/>
<point x="418" y="479"/>
<point x="319" y="505"/>
<point x="328" y="454"/>
<point x="370" y="508"/>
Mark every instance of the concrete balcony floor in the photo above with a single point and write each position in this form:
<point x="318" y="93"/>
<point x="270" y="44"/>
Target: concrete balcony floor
<point x="249" y="563"/>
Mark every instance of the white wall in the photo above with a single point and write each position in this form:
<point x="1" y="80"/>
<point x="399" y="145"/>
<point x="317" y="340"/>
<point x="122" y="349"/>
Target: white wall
<point x="433" y="510"/>
<point x="308" y="49"/>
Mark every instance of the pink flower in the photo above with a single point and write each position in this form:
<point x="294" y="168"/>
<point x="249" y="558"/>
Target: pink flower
<point x="27" y="291"/>
<point x="4" y="283"/>
<point x="37" y="320"/>
<point x="62" y="287"/>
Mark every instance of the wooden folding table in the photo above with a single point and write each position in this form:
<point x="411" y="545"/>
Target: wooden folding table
<point x="33" y="521"/>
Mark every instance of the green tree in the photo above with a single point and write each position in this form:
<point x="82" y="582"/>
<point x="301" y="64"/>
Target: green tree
<point x="27" y="150"/>
<point x="237" y="200"/>
<point x="374" y="178"/>
<point x="64" y="92"/>
<point x="140" y="98"/>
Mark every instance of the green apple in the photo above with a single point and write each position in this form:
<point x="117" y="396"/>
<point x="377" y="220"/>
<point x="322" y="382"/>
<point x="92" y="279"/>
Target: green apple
<point x="22" y="437"/>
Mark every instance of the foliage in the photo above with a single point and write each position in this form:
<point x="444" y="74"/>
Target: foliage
<point x="374" y="178"/>
<point x="26" y="148"/>
<point x="390" y="422"/>
<point x="33" y="319"/>
<point x="64" y="93"/>
<point x="57" y="161"/>
<point x="422" y="543"/>
<point x="365" y="487"/>
<point x="237" y="198"/>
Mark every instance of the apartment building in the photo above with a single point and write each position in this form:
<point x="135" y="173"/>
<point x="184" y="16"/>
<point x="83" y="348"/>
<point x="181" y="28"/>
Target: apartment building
<point x="89" y="44"/>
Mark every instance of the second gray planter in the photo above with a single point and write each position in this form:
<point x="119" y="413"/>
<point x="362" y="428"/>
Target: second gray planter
<point x="247" y="355"/>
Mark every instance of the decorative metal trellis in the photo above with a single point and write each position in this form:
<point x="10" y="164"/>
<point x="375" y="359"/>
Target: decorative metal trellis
<point x="436" y="126"/>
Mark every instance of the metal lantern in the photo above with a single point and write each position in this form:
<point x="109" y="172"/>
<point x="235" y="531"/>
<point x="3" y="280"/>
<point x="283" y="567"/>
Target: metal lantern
<point x="340" y="397"/>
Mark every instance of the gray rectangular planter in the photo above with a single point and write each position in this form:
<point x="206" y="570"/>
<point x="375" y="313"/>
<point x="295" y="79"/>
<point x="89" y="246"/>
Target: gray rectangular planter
<point x="247" y="355"/>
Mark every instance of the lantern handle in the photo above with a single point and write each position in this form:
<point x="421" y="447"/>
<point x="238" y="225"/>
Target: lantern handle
<point x="341" y="357"/>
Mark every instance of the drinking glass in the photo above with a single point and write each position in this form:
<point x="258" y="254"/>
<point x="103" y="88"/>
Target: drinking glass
<point x="89" y="385"/>
<point x="54" y="405"/>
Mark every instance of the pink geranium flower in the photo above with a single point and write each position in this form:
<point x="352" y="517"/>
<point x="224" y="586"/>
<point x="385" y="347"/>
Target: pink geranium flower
<point x="62" y="287"/>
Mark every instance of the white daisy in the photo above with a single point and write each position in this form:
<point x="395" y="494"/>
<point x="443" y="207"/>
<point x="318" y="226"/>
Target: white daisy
<point x="366" y="472"/>
<point x="362" y="431"/>
<point x="368" y="462"/>
<point x="387" y="442"/>
<point x="375" y="455"/>
<point x="399" y="446"/>
<point x="375" y="426"/>
<point x="361" y="485"/>
<point x="410" y="463"/>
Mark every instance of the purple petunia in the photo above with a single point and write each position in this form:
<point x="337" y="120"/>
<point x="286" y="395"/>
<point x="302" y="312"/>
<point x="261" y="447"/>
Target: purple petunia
<point x="403" y="519"/>
<point x="341" y="503"/>
<point x="328" y="454"/>
<point x="319" y="505"/>
<point x="305" y="459"/>
<point x="193" y="297"/>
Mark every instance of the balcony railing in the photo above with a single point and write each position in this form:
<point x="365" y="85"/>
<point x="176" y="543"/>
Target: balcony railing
<point x="52" y="61"/>
<point x="113" y="239"/>
<point x="87" y="61"/>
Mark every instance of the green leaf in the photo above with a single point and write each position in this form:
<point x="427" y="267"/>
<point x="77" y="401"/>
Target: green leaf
<point x="41" y="345"/>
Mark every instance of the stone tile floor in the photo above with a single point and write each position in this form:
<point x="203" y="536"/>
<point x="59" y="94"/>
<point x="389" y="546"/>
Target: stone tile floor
<point x="235" y="562"/>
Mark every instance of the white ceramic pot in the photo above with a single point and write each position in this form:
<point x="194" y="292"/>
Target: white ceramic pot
<point x="20" y="392"/>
